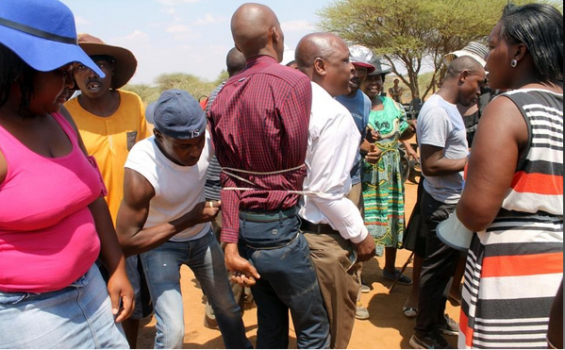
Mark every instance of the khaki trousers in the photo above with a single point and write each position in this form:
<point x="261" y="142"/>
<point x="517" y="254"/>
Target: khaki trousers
<point x="356" y="196"/>
<point x="339" y="282"/>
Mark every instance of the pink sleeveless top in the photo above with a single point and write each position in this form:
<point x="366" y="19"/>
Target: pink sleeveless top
<point x="48" y="237"/>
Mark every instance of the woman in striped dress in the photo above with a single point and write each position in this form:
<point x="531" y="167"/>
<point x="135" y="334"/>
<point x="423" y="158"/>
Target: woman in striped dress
<point x="513" y="198"/>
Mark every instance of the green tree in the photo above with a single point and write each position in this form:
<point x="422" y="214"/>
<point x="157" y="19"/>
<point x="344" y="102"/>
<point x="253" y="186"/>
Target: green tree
<point x="411" y="34"/>
<point x="196" y="86"/>
<point x="147" y="93"/>
<point x="222" y="77"/>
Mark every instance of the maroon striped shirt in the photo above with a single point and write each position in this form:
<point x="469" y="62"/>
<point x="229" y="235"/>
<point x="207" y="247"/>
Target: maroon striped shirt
<point x="259" y="123"/>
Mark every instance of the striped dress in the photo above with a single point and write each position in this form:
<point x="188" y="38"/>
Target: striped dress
<point x="515" y="267"/>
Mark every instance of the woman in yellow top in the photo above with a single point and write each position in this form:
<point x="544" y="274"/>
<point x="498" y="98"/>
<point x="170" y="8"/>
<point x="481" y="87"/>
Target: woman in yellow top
<point x="110" y="121"/>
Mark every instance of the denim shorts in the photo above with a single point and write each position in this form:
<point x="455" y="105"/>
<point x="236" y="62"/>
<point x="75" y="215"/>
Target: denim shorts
<point x="79" y="316"/>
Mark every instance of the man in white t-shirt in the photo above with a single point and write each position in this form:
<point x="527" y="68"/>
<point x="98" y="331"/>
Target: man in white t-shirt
<point x="332" y="224"/>
<point x="165" y="219"/>
<point x="442" y="138"/>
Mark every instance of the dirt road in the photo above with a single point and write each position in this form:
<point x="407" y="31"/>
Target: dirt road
<point x="386" y="329"/>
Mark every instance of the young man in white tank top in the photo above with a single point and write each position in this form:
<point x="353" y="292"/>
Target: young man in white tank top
<point x="164" y="217"/>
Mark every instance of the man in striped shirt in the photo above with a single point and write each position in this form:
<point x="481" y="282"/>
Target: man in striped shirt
<point x="259" y="124"/>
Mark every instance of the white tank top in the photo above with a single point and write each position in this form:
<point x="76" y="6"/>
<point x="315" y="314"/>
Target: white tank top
<point x="177" y="188"/>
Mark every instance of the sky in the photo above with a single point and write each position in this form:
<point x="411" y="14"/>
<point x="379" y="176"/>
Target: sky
<point x="186" y="36"/>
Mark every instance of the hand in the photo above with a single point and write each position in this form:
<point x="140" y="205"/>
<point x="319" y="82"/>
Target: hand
<point x="366" y="249"/>
<point x="411" y="126"/>
<point x="206" y="211"/>
<point x="374" y="155"/>
<point x="372" y="135"/>
<point x="120" y="290"/>
<point x="243" y="273"/>
<point x="412" y="154"/>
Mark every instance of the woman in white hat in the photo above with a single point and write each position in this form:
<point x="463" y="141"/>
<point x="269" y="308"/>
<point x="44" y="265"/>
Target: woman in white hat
<point x="54" y="222"/>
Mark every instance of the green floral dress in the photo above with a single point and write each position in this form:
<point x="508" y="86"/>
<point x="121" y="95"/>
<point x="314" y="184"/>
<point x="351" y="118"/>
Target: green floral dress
<point x="383" y="189"/>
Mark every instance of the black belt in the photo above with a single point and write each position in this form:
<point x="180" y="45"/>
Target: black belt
<point x="307" y="226"/>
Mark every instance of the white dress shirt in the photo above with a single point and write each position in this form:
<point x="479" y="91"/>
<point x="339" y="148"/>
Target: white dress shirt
<point x="333" y="144"/>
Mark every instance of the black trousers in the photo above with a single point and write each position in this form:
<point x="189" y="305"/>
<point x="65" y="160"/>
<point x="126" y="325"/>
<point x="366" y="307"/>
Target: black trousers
<point x="438" y="267"/>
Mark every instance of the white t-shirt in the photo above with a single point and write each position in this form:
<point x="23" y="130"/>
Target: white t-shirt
<point x="440" y="124"/>
<point x="177" y="188"/>
<point x="333" y="145"/>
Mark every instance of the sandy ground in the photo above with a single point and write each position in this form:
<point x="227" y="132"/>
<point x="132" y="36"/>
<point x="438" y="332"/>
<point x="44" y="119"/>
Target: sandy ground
<point x="386" y="329"/>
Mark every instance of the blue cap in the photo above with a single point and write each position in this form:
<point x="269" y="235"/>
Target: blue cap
<point x="179" y="115"/>
<point x="150" y="112"/>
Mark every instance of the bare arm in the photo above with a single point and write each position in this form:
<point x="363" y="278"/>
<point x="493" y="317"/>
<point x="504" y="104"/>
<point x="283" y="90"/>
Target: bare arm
<point x="133" y="212"/>
<point x="501" y="136"/>
<point x="409" y="150"/>
<point x="410" y="131"/>
<point x="111" y="254"/>
<point x="435" y="164"/>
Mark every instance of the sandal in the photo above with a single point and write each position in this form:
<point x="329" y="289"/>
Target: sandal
<point x="395" y="277"/>
<point x="410" y="312"/>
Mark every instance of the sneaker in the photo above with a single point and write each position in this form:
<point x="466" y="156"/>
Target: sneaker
<point x="431" y="341"/>
<point x="361" y="313"/>
<point x="450" y="327"/>
<point x="395" y="277"/>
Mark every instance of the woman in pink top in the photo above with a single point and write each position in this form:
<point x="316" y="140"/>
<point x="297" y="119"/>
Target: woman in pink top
<point x="54" y="222"/>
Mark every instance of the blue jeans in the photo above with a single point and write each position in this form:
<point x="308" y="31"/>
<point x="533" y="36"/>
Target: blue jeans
<point x="79" y="316"/>
<point x="288" y="281"/>
<point x="162" y="271"/>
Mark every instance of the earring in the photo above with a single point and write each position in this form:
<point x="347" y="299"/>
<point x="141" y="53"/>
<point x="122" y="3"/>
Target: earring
<point x="514" y="63"/>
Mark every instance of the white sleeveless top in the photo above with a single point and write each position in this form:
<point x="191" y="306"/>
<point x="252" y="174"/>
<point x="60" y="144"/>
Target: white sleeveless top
<point x="177" y="188"/>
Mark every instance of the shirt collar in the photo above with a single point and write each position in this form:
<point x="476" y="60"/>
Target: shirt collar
<point x="260" y="59"/>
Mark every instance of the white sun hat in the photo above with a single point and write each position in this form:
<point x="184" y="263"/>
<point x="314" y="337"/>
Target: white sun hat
<point x="474" y="49"/>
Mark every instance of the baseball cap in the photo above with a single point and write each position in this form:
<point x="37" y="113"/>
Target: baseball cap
<point x="178" y="115"/>
<point x="150" y="112"/>
<point x="361" y="56"/>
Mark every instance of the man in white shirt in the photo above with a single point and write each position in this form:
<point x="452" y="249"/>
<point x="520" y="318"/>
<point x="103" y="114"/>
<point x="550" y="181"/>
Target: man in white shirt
<point x="164" y="218"/>
<point x="332" y="223"/>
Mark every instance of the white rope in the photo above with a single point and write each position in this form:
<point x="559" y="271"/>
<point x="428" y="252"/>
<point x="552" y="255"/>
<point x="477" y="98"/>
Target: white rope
<point x="278" y="172"/>
<point x="228" y="171"/>
<point x="301" y="193"/>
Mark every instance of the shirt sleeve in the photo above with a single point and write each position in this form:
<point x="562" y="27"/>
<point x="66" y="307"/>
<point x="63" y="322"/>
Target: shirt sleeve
<point x="330" y="169"/>
<point x="403" y="123"/>
<point x="434" y="126"/>
<point x="230" y="211"/>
